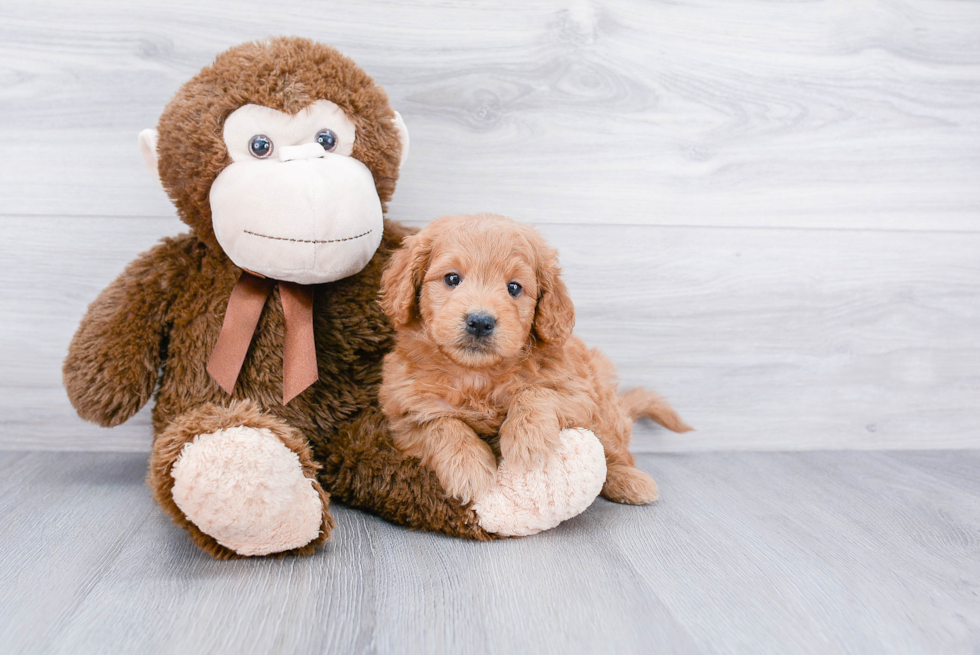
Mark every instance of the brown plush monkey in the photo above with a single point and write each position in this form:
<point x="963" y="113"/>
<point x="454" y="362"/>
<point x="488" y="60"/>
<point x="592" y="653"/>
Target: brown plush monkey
<point x="259" y="330"/>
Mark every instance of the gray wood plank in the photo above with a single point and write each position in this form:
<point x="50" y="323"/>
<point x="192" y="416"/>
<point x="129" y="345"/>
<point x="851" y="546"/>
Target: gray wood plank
<point x="66" y="518"/>
<point x="834" y="552"/>
<point x="694" y="113"/>
<point x="822" y="549"/>
<point x="563" y="113"/>
<point x="764" y="339"/>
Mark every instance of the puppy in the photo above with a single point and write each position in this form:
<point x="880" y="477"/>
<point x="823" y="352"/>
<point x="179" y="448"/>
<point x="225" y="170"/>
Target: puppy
<point x="485" y="360"/>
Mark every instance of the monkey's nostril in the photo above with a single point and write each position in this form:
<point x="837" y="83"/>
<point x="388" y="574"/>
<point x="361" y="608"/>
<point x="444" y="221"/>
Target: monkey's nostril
<point x="480" y="324"/>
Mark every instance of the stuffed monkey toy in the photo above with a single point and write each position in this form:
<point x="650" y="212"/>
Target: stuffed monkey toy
<point x="259" y="330"/>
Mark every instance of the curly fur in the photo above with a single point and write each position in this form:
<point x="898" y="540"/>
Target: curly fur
<point x="452" y="397"/>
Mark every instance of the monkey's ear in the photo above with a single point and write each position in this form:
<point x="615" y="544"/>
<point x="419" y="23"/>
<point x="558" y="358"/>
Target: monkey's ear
<point x="148" y="149"/>
<point x="402" y="136"/>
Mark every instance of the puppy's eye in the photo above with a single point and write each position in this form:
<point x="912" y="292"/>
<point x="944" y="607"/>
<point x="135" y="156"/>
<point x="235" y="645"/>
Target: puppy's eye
<point x="514" y="289"/>
<point x="452" y="279"/>
<point x="260" y="146"/>
<point x="327" y="139"/>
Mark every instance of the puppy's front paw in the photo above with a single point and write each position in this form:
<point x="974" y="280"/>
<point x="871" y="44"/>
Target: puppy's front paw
<point x="629" y="485"/>
<point x="532" y="449"/>
<point x="469" y="473"/>
<point x="525" y="455"/>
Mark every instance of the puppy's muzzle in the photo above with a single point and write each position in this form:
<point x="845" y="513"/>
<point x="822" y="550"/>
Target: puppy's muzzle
<point x="480" y="324"/>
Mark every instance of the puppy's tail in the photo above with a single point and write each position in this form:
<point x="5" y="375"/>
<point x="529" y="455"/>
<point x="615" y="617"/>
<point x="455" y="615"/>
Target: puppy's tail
<point x="640" y="403"/>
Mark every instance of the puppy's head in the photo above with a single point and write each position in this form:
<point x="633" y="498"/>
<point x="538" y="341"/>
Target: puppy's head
<point x="482" y="288"/>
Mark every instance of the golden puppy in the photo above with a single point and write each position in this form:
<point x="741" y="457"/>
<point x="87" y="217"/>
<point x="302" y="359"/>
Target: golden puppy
<point x="485" y="350"/>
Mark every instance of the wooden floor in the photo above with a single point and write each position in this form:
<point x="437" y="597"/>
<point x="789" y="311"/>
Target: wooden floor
<point x="833" y="552"/>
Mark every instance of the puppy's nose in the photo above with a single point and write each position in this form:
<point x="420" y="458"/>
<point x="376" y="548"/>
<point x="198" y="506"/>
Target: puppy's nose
<point x="479" y="324"/>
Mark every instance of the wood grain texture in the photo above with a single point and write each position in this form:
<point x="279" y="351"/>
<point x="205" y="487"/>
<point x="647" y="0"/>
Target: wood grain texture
<point x="746" y="553"/>
<point x="817" y="114"/>
<point x="762" y="338"/>
<point x="767" y="210"/>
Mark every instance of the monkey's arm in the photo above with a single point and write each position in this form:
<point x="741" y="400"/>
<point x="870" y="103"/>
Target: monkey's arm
<point x="114" y="358"/>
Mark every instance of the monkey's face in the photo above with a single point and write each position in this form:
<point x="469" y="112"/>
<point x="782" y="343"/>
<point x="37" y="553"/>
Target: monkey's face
<point x="293" y="204"/>
<point x="282" y="153"/>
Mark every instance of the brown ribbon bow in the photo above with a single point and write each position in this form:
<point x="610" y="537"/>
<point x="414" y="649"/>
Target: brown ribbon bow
<point x="241" y="318"/>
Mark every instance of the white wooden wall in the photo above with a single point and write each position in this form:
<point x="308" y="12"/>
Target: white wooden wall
<point x="769" y="211"/>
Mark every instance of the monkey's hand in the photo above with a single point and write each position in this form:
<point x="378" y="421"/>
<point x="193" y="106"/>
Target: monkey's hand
<point x="113" y="360"/>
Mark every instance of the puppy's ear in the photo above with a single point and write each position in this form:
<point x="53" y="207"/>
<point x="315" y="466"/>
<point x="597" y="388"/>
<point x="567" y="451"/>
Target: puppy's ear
<point x="402" y="278"/>
<point x="554" y="317"/>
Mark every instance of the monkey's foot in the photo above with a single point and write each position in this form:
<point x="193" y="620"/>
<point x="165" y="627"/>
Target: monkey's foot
<point x="526" y="501"/>
<point x="244" y="488"/>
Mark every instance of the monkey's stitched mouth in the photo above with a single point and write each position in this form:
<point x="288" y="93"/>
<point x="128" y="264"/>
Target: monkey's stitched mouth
<point x="266" y="236"/>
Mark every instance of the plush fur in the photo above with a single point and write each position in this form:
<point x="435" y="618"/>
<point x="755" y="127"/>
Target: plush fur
<point x="210" y="418"/>
<point x="525" y="501"/>
<point x="452" y="397"/>
<point x="246" y="489"/>
<point x="154" y="328"/>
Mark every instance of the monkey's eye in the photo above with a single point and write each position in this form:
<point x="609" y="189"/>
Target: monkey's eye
<point x="452" y="279"/>
<point x="260" y="146"/>
<point x="514" y="289"/>
<point x="327" y="139"/>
